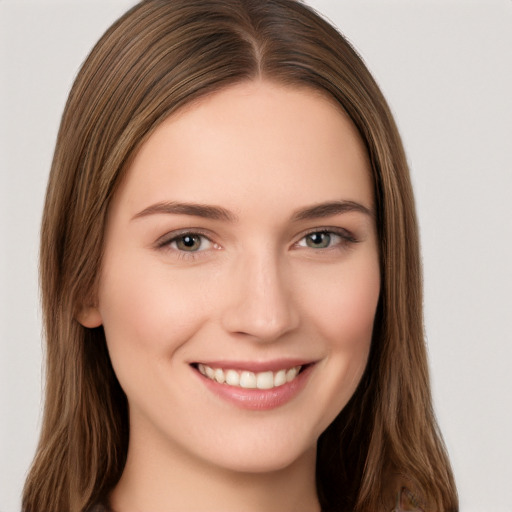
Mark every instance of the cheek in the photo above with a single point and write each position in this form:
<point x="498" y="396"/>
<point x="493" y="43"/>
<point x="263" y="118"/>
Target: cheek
<point x="341" y="314"/>
<point x="147" y="315"/>
<point x="344" y="308"/>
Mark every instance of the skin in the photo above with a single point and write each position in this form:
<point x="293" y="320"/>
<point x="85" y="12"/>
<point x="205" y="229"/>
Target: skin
<point x="257" y="289"/>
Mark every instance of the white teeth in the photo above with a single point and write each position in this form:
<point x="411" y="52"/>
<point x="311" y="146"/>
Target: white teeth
<point x="232" y="378"/>
<point x="219" y="376"/>
<point x="265" y="380"/>
<point x="249" y="380"/>
<point x="291" y="374"/>
<point x="280" y="378"/>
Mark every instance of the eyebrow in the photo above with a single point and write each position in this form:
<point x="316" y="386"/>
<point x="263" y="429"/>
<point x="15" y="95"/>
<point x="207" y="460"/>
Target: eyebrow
<point x="321" y="210"/>
<point x="331" y="208"/>
<point x="197" y="210"/>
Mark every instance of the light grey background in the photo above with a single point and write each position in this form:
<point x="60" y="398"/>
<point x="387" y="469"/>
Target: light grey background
<point x="445" y="67"/>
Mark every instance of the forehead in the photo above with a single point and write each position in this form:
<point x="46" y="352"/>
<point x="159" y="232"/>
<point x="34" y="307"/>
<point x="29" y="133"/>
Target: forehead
<point x="254" y="142"/>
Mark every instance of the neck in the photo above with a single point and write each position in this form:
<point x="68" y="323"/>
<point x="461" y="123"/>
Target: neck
<point x="167" y="480"/>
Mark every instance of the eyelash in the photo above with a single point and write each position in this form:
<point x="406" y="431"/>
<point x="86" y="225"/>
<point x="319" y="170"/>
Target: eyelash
<point x="166" y="241"/>
<point x="346" y="238"/>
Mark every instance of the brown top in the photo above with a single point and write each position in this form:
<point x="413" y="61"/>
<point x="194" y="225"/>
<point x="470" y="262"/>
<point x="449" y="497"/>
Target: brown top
<point x="99" y="508"/>
<point x="405" y="502"/>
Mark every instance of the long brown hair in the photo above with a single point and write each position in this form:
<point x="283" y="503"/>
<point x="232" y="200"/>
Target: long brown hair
<point x="159" y="56"/>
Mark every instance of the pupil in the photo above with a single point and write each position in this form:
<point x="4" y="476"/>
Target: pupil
<point x="190" y="242"/>
<point x="319" y="239"/>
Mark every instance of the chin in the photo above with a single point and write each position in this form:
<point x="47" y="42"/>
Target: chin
<point x="265" y="455"/>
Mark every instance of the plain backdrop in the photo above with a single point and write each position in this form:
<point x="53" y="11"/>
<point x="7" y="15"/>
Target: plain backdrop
<point x="445" y="67"/>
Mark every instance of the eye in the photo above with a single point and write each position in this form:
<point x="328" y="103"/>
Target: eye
<point x="187" y="245"/>
<point x="320" y="240"/>
<point x="190" y="242"/>
<point x="325" y="239"/>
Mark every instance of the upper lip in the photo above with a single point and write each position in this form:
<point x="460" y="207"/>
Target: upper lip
<point x="257" y="366"/>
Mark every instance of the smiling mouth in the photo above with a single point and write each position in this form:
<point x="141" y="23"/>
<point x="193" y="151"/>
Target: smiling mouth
<point x="250" y="380"/>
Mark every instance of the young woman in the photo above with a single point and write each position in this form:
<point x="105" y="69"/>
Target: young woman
<point x="230" y="277"/>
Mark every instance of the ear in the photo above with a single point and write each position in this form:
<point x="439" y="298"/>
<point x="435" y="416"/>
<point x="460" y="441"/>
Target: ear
<point x="89" y="317"/>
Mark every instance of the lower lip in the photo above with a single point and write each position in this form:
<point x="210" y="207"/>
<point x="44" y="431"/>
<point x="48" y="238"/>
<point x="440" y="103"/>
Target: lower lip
<point x="259" y="399"/>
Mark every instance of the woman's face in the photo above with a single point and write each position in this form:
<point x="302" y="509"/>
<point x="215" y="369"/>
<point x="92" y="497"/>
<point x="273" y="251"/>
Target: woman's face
<point x="241" y="246"/>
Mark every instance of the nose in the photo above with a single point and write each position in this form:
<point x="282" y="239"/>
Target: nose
<point x="260" y="305"/>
